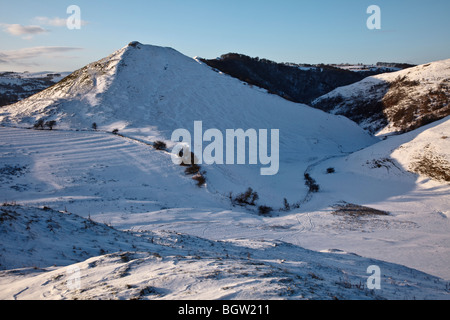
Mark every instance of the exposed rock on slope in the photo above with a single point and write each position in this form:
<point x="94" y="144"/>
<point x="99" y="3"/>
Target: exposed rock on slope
<point x="394" y="102"/>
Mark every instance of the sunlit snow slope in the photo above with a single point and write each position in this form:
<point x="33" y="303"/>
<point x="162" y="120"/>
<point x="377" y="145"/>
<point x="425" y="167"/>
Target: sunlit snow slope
<point x="147" y="92"/>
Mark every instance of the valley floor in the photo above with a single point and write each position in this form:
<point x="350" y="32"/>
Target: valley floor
<point x="176" y="241"/>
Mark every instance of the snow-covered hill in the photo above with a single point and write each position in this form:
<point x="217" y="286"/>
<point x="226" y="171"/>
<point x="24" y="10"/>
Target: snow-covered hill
<point x="394" y="102"/>
<point x="128" y="265"/>
<point x="129" y="185"/>
<point x="143" y="86"/>
<point x="147" y="92"/>
<point x="172" y="239"/>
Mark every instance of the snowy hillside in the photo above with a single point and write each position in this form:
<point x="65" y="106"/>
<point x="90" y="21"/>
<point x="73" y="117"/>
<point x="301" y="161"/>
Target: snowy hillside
<point x="406" y="176"/>
<point x="394" y="102"/>
<point x="173" y="266"/>
<point x="119" y="182"/>
<point x="136" y="226"/>
<point x="147" y="92"/>
<point x="159" y="89"/>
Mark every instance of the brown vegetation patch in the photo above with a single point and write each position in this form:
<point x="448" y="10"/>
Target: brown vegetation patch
<point x="356" y="210"/>
<point x="432" y="166"/>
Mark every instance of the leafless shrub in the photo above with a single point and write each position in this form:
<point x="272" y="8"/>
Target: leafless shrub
<point x="264" y="210"/>
<point x="200" y="178"/>
<point x="193" y="169"/>
<point x="160" y="145"/>
<point x="249" y="197"/>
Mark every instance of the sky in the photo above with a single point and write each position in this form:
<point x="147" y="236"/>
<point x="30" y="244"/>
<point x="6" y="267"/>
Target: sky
<point x="34" y="35"/>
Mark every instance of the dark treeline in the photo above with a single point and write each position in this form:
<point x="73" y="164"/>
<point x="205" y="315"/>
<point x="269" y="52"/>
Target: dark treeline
<point x="290" y="81"/>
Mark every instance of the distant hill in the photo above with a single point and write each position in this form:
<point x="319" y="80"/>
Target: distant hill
<point x="294" y="82"/>
<point x="395" y="65"/>
<point x="16" y="86"/>
<point x="394" y="102"/>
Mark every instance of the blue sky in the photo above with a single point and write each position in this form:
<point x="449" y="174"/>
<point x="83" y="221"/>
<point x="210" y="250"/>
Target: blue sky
<point x="33" y="38"/>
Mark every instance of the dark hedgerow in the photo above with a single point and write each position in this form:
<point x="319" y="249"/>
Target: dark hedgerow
<point x="249" y="197"/>
<point x="160" y="145"/>
<point x="311" y="183"/>
<point x="187" y="161"/>
<point x="39" y="124"/>
<point x="193" y="169"/>
<point x="50" y="124"/>
<point x="200" y="178"/>
<point x="264" y="210"/>
<point x="287" y="206"/>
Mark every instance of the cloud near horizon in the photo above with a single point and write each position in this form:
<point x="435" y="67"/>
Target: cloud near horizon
<point x="21" y="30"/>
<point x="24" y="55"/>
<point x="27" y="32"/>
<point x="55" y="22"/>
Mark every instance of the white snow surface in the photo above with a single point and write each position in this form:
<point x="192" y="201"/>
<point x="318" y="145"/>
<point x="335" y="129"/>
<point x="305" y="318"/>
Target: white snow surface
<point x="147" y="92"/>
<point x="168" y="265"/>
<point x="173" y="240"/>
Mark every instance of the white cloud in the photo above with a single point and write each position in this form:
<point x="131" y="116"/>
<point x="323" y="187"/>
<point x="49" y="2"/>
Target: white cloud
<point x="55" y="22"/>
<point x="24" y="55"/>
<point x="20" y="30"/>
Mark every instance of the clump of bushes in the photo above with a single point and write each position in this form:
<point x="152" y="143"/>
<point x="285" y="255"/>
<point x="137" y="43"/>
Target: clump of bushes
<point x="160" y="145"/>
<point x="249" y="197"/>
<point x="115" y="131"/>
<point x="200" y="178"/>
<point x="192" y="168"/>
<point x="188" y="160"/>
<point x="331" y="170"/>
<point x="287" y="206"/>
<point x="311" y="183"/>
<point x="264" y="210"/>
<point x="50" y="124"/>
<point x="41" y="125"/>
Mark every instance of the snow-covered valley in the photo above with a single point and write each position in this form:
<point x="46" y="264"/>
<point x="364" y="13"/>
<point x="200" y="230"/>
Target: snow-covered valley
<point x="133" y="225"/>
